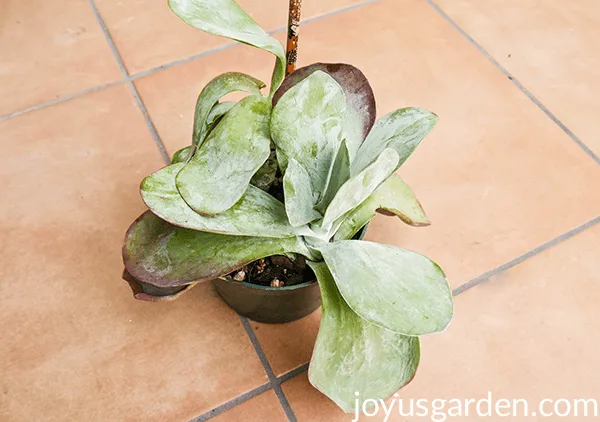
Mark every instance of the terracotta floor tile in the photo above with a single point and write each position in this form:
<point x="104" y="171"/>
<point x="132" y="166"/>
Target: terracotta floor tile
<point x="530" y="333"/>
<point x="76" y="345"/>
<point x="50" y="50"/>
<point x="148" y="34"/>
<point x="288" y="346"/>
<point x="551" y="47"/>
<point x="496" y="176"/>
<point x="264" y="407"/>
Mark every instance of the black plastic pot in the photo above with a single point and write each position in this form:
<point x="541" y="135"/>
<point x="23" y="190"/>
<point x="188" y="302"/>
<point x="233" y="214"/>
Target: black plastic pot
<point x="273" y="305"/>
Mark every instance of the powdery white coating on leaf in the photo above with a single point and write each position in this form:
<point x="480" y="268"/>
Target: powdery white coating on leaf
<point x="358" y="188"/>
<point x="165" y="255"/>
<point x="339" y="173"/>
<point x="219" y="172"/>
<point x="391" y="287"/>
<point x="352" y="355"/>
<point x="394" y="196"/>
<point x="298" y="195"/>
<point x="256" y="214"/>
<point x="306" y="125"/>
<point x="227" y="19"/>
<point x="360" y="101"/>
<point x="402" y="130"/>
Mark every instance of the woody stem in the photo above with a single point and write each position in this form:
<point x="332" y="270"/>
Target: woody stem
<point x="292" y="36"/>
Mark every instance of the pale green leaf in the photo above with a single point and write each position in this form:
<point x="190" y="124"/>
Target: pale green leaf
<point x="227" y="19"/>
<point x="353" y="356"/>
<point x="218" y="174"/>
<point x="393" y="196"/>
<point x="339" y="173"/>
<point x="256" y="214"/>
<point x="306" y="125"/>
<point x="164" y="255"/>
<point x="298" y="195"/>
<point x="402" y="130"/>
<point x="213" y="92"/>
<point x="358" y="188"/>
<point x="391" y="287"/>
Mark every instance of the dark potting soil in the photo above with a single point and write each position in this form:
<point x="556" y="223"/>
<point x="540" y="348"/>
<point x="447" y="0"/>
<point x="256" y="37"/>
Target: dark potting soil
<point x="274" y="271"/>
<point x="278" y="270"/>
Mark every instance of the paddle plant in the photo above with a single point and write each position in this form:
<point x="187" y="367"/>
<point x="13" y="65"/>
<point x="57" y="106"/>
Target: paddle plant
<point x="313" y="136"/>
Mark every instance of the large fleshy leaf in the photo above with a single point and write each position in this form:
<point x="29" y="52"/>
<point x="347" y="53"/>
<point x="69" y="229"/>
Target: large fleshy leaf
<point x="256" y="214"/>
<point x="227" y="19"/>
<point x="391" y="287"/>
<point x="165" y="255"/>
<point x="298" y="195"/>
<point x="213" y="92"/>
<point x="339" y="173"/>
<point x="306" y="125"/>
<point x="402" y="130"/>
<point x="360" y="101"/>
<point x="219" y="172"/>
<point x="358" y="188"/>
<point x="393" y="196"/>
<point x="352" y="355"/>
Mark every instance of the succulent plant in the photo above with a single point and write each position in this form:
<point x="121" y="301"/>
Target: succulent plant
<point x="211" y="213"/>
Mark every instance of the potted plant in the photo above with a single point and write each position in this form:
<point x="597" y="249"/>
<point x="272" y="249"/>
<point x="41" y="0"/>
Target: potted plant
<point x="267" y="199"/>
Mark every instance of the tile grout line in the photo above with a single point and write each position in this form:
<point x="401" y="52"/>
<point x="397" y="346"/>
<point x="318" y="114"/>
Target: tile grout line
<point x="168" y="65"/>
<point x="274" y="382"/>
<point x="232" y="403"/>
<point x="533" y="252"/>
<point x="514" y="80"/>
<point x="293" y="373"/>
<point x="134" y="91"/>
<point x="61" y="99"/>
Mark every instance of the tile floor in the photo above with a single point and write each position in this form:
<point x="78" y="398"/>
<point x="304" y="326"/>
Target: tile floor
<point x="94" y="94"/>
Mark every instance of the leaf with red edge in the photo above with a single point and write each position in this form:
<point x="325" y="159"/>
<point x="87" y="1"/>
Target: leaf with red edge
<point x="360" y="101"/>
<point x="162" y="255"/>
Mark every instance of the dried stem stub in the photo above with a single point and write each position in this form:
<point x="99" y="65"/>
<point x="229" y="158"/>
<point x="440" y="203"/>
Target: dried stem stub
<point x="292" y="40"/>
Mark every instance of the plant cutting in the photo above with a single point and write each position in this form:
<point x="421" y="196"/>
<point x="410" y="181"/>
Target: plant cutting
<point x="271" y="197"/>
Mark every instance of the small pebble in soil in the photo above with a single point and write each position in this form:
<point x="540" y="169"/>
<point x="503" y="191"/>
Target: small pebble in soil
<point x="240" y="276"/>
<point x="276" y="283"/>
<point x="260" y="266"/>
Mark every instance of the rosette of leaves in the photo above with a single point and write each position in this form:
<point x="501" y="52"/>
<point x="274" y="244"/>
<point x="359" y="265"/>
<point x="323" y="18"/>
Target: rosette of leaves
<point x="210" y="211"/>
